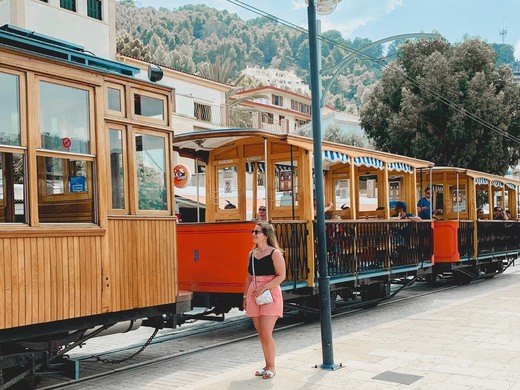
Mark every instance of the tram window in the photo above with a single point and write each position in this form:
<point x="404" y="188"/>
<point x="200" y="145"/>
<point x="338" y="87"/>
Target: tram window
<point x="458" y="199"/>
<point x="65" y="190"/>
<point x="227" y="188"/>
<point x="286" y="183"/>
<point x="151" y="172"/>
<point x="483" y="199"/>
<point x="9" y="109"/>
<point x="114" y="99"/>
<point x="117" y="169"/>
<point x="368" y="192"/>
<point x="64" y="118"/>
<point x="342" y="190"/>
<point x="12" y="197"/>
<point x="148" y="106"/>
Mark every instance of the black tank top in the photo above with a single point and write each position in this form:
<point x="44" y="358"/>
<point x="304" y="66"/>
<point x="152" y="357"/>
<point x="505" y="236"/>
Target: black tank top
<point x="263" y="266"/>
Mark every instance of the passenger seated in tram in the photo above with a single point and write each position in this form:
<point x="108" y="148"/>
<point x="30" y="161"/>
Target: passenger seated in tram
<point x="498" y="214"/>
<point x="400" y="210"/>
<point x="424" y="205"/>
<point x="480" y="215"/>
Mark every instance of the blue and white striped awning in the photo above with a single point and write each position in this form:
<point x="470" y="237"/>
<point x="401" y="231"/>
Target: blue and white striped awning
<point x="497" y="183"/>
<point x="511" y="185"/>
<point x="330" y="156"/>
<point x="250" y="167"/>
<point x="369" y="162"/>
<point x="400" y="167"/>
<point x="481" y="180"/>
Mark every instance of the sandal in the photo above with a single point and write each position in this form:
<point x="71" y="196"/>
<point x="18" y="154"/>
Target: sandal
<point x="260" y="372"/>
<point x="268" y="374"/>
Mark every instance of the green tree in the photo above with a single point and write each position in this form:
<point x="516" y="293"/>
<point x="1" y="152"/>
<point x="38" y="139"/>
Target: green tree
<point x="447" y="104"/>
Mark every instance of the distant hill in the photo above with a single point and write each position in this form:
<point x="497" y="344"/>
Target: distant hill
<point x="189" y="38"/>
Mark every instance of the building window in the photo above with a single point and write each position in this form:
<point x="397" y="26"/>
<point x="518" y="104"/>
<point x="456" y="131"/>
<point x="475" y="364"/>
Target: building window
<point x="268" y="118"/>
<point x="68" y="4"/>
<point x="94" y="9"/>
<point x="278" y="100"/>
<point x="202" y="112"/>
<point x="305" y="109"/>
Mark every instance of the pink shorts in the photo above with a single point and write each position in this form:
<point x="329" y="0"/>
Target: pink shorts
<point x="271" y="309"/>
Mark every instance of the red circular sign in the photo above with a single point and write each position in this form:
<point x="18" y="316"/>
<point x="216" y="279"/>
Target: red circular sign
<point x="65" y="142"/>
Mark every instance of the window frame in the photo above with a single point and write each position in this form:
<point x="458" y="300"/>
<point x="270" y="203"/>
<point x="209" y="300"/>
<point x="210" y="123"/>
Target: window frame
<point x="126" y="166"/>
<point x="134" y="187"/>
<point x="122" y="94"/>
<point x="69" y="5"/>
<point x="91" y="115"/>
<point x="95" y="7"/>
<point x="143" y="92"/>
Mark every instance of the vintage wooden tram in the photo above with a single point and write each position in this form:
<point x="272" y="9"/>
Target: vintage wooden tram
<point x="367" y="250"/>
<point x="469" y="244"/>
<point x="87" y="223"/>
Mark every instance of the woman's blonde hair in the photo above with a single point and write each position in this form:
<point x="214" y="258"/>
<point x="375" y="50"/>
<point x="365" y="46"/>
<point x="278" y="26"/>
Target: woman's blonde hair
<point x="270" y="233"/>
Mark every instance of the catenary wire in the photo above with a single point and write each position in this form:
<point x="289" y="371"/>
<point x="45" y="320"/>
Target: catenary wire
<point x="383" y="64"/>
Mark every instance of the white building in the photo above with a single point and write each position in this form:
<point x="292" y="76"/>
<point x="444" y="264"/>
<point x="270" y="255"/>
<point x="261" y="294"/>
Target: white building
<point x="86" y="23"/>
<point x="278" y="78"/>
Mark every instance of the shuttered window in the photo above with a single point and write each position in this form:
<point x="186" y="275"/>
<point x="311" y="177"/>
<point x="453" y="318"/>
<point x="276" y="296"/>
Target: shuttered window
<point x="94" y="9"/>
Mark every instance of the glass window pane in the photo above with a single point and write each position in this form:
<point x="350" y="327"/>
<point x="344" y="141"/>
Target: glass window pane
<point x="151" y="172"/>
<point x="65" y="195"/>
<point x="9" y="110"/>
<point x="12" y="198"/>
<point x="286" y="183"/>
<point x="64" y="118"/>
<point x="114" y="99"/>
<point x="227" y="188"/>
<point x="148" y="106"/>
<point x="117" y="172"/>
<point x="368" y="193"/>
<point x="342" y="192"/>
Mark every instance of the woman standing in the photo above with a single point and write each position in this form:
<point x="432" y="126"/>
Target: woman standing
<point x="269" y="271"/>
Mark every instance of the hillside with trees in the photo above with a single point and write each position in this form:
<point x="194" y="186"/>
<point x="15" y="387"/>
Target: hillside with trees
<point x="449" y="104"/>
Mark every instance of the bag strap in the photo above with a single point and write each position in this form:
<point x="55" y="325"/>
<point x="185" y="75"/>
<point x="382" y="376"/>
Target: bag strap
<point x="253" y="266"/>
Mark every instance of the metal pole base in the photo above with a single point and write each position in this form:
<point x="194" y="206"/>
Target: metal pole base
<point x="330" y="367"/>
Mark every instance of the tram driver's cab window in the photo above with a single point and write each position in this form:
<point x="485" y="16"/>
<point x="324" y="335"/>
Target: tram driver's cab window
<point x="286" y="184"/>
<point x="65" y="163"/>
<point x="151" y="172"/>
<point x="12" y="154"/>
<point x="227" y="197"/>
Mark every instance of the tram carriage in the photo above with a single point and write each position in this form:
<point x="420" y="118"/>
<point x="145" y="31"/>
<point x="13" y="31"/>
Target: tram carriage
<point x="86" y="202"/>
<point x="367" y="250"/>
<point x="468" y="245"/>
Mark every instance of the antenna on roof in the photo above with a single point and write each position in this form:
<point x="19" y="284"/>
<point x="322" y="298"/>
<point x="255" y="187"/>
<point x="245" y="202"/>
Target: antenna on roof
<point x="503" y="34"/>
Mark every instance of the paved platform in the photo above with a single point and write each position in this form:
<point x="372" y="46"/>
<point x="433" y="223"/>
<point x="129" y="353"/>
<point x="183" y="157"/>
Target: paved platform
<point x="462" y="343"/>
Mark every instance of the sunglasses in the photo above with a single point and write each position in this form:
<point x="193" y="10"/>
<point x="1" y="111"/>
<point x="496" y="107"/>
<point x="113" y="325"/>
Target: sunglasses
<point x="256" y="231"/>
<point x="261" y="209"/>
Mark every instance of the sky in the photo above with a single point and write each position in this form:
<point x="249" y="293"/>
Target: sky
<point x="495" y="21"/>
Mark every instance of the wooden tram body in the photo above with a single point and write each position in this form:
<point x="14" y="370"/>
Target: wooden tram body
<point x="466" y="244"/>
<point x="84" y="148"/>
<point x="248" y="168"/>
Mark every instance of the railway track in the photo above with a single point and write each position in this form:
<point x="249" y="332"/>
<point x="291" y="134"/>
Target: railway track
<point x="94" y="361"/>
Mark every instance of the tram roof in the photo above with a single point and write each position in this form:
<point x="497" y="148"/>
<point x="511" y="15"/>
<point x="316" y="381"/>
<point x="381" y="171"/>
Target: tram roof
<point x="480" y="177"/>
<point x="48" y="47"/>
<point x="200" y="143"/>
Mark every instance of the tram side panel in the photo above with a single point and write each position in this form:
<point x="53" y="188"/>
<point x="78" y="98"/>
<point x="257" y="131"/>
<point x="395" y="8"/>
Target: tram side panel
<point x="212" y="258"/>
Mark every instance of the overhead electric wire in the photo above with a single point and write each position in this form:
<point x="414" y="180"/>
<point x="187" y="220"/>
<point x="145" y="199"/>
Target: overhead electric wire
<point x="363" y="55"/>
